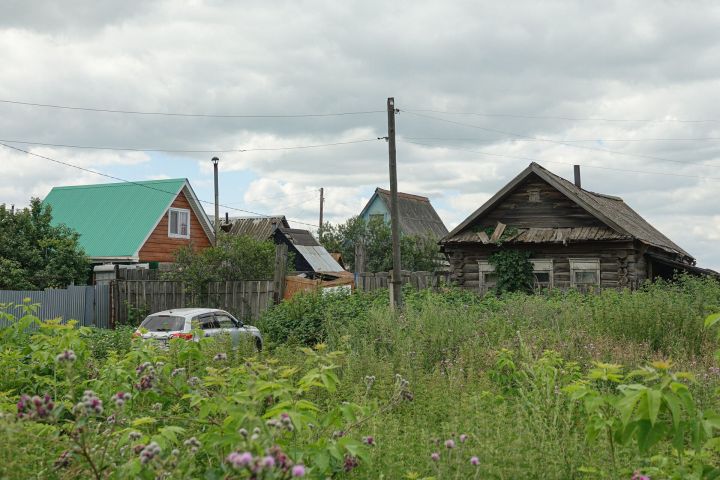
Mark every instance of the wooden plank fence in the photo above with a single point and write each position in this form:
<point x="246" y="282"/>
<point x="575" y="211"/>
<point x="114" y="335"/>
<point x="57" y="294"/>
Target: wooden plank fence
<point x="367" y="281"/>
<point x="132" y="299"/>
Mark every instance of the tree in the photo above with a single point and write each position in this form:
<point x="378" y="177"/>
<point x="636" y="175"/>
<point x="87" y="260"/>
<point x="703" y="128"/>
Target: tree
<point x="34" y="254"/>
<point x="416" y="252"/>
<point x="234" y="258"/>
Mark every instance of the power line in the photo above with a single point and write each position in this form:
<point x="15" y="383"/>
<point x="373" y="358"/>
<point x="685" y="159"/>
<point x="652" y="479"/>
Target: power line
<point x="169" y="150"/>
<point x="579" y="140"/>
<point x="518" y="157"/>
<point x="557" y="142"/>
<point x="572" y="119"/>
<point x="287" y="195"/>
<point x="139" y="184"/>
<point x="201" y="115"/>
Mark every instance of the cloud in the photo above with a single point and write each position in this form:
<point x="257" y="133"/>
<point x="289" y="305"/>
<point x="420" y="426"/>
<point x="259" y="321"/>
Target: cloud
<point x="545" y="70"/>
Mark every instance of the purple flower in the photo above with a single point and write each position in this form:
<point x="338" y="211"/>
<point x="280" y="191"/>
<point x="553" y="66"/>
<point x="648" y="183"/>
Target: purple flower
<point x="149" y="452"/>
<point x="298" y="470"/>
<point x="435" y="457"/>
<point x="66" y="356"/>
<point x="369" y="440"/>
<point x="474" y="461"/>
<point x="268" y="462"/>
<point x="35" y="407"/>
<point x="463" y="438"/>
<point x="120" y="398"/>
<point x="639" y="476"/>
<point x="450" y="444"/>
<point x="239" y="460"/>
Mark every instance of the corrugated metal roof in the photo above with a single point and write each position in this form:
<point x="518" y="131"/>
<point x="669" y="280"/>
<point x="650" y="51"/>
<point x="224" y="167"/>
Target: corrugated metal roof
<point x="259" y="228"/>
<point x="113" y="219"/>
<point x="417" y="215"/>
<point x="319" y="258"/>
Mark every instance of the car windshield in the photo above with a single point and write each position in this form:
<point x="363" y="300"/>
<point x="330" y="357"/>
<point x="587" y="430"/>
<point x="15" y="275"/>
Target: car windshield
<point x="163" y="323"/>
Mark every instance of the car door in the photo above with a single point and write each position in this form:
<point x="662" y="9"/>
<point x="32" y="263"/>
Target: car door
<point x="229" y="325"/>
<point x="209" y="325"/>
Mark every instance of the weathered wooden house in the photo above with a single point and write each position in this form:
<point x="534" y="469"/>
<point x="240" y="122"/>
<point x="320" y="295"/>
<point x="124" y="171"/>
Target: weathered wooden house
<point x="417" y="215"/>
<point x="133" y="222"/>
<point x="577" y="238"/>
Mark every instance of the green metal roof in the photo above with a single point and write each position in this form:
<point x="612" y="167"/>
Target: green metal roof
<point x="113" y="219"/>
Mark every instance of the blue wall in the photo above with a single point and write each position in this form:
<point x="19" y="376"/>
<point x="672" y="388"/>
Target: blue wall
<point x="376" y="207"/>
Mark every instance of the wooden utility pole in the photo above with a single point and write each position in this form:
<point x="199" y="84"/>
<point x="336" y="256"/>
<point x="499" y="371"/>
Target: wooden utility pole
<point x="322" y="201"/>
<point x="396" y="278"/>
<point x="215" y="161"/>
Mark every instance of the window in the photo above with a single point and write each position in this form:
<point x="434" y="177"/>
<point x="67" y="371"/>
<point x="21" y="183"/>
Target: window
<point x="163" y="323"/>
<point x="534" y="195"/>
<point x="207" y="323"/>
<point x="486" y="276"/>
<point x="542" y="273"/>
<point x="224" y="321"/>
<point x="377" y="217"/>
<point x="178" y="223"/>
<point x="584" y="272"/>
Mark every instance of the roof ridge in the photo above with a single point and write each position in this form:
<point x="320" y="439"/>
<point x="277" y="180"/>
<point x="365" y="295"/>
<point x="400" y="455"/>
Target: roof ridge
<point x="410" y="196"/>
<point x="119" y="184"/>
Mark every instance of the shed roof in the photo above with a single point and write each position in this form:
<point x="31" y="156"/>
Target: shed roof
<point x="612" y="211"/>
<point x="311" y="250"/>
<point x="259" y="228"/>
<point x="115" y="219"/>
<point x="417" y="215"/>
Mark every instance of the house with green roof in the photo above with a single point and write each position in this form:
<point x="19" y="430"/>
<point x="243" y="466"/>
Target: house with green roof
<point x="133" y="222"/>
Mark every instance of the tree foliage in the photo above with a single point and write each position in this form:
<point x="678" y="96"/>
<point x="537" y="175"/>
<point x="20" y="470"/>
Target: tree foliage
<point x="418" y="253"/>
<point x="34" y="254"/>
<point x="234" y="258"/>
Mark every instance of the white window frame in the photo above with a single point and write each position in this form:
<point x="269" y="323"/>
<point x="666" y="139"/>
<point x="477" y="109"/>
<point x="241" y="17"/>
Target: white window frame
<point x="179" y="211"/>
<point x="584" y="265"/>
<point x="543" y="266"/>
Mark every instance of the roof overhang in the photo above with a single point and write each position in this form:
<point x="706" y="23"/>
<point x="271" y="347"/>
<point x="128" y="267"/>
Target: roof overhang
<point x="126" y="259"/>
<point x="683" y="266"/>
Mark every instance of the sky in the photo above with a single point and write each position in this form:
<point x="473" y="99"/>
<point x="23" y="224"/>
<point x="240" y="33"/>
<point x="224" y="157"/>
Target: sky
<point x="627" y="90"/>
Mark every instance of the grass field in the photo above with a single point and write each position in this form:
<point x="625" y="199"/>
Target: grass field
<point x="560" y="385"/>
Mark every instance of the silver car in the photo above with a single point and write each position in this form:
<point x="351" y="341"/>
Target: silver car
<point x="179" y="322"/>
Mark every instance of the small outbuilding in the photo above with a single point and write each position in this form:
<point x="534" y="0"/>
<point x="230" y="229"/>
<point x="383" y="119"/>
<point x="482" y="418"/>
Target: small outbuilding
<point x="576" y="238"/>
<point x="417" y="215"/>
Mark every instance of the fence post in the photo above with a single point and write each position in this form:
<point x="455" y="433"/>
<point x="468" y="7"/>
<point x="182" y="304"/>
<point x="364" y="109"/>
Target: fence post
<point x="281" y="259"/>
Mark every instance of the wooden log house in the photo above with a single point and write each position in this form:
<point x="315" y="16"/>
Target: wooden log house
<point x="577" y="238"/>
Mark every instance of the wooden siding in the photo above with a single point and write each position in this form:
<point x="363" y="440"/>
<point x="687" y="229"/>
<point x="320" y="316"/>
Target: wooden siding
<point x="159" y="247"/>
<point x="552" y="210"/>
<point x="621" y="263"/>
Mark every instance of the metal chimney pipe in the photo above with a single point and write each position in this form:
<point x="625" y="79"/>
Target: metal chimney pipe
<point x="577" y="176"/>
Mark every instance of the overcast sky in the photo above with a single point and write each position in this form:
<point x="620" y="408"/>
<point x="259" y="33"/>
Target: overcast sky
<point x="628" y="90"/>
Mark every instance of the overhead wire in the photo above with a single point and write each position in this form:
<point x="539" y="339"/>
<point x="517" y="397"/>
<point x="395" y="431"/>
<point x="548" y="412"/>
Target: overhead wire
<point x="558" y="142"/>
<point x="568" y="118"/>
<point x="579" y="140"/>
<point x="176" y="114"/>
<point x="169" y="150"/>
<point x="113" y="177"/>
<point x="518" y="157"/>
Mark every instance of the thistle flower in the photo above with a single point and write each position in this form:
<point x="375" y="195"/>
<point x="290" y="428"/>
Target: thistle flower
<point x="349" y="463"/>
<point x="268" y="462"/>
<point x="463" y="438"/>
<point x="90" y="404"/>
<point x="66" y="356"/>
<point x="120" y="398"/>
<point x="450" y="444"/>
<point x="639" y="476"/>
<point x="220" y="357"/>
<point x="435" y="457"/>
<point x="239" y="460"/>
<point x="369" y="440"/>
<point x="149" y="452"/>
<point x="134" y="435"/>
<point x="63" y="460"/>
<point x="243" y="432"/>
<point x="298" y="471"/>
<point x="35" y="407"/>
<point x="177" y="372"/>
<point x="474" y="461"/>
<point x="193" y="381"/>
<point x="192" y="442"/>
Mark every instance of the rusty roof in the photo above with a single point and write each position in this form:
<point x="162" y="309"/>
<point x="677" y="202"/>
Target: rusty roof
<point x="612" y="211"/>
<point x="259" y="228"/>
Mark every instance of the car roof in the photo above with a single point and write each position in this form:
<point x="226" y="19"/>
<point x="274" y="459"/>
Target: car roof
<point x="188" y="312"/>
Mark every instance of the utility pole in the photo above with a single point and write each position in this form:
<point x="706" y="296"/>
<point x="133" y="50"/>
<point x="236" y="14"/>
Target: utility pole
<point x="322" y="201"/>
<point x="215" y="161"/>
<point x="396" y="278"/>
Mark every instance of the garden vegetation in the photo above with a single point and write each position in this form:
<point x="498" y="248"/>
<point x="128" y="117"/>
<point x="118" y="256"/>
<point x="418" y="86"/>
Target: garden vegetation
<point x="552" y="386"/>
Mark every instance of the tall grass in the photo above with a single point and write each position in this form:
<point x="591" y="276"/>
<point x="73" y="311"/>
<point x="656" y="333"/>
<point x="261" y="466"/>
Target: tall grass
<point x="446" y="345"/>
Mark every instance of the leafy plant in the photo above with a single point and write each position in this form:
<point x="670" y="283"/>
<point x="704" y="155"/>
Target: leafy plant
<point x="514" y="271"/>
